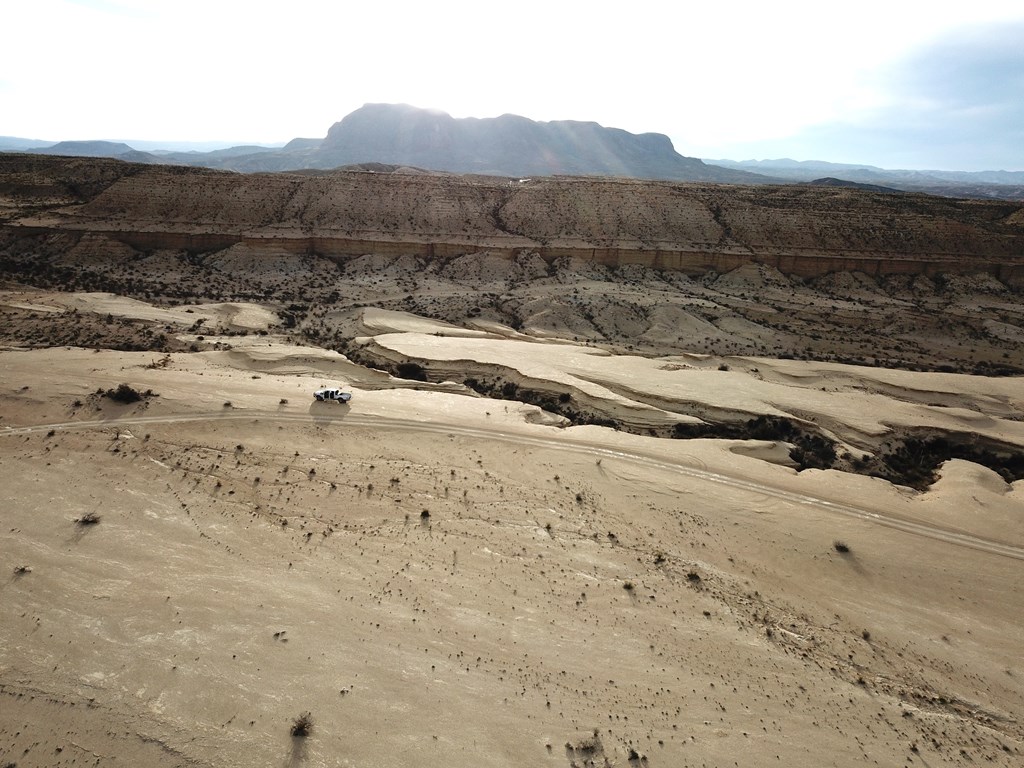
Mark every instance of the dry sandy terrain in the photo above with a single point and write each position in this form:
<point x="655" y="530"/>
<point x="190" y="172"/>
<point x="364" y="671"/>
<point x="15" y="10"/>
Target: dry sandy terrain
<point x="634" y="474"/>
<point x="442" y="579"/>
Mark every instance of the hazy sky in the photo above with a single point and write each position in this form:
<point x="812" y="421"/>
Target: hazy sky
<point x="895" y="83"/>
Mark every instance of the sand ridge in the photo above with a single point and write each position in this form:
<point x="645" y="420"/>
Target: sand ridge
<point x="850" y="400"/>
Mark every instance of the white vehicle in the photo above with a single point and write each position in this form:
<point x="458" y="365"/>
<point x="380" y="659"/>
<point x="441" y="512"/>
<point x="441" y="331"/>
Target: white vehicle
<point x="337" y="395"/>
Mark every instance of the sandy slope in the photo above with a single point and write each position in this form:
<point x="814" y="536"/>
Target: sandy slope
<point x="682" y="599"/>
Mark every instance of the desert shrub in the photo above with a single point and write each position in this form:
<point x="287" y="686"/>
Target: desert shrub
<point x="302" y="725"/>
<point x="914" y="460"/>
<point x="89" y="518"/>
<point x="813" y="452"/>
<point x="124" y="393"/>
<point x="841" y="547"/>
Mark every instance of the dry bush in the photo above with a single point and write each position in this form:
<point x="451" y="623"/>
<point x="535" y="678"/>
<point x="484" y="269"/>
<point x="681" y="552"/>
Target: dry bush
<point x="302" y="725"/>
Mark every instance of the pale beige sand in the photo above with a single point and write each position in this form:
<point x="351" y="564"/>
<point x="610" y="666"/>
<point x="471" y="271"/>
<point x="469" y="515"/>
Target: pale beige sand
<point x="848" y="400"/>
<point x="224" y="315"/>
<point x="191" y="625"/>
<point x="376" y="320"/>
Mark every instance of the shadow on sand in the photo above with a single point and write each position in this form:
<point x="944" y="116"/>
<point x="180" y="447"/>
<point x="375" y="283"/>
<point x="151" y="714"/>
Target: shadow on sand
<point x="298" y="753"/>
<point x="325" y="413"/>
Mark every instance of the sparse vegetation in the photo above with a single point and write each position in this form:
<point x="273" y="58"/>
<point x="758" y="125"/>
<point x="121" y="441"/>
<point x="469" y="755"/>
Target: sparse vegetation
<point x="87" y="519"/>
<point x="841" y="547"/>
<point x="302" y="726"/>
<point x="126" y="394"/>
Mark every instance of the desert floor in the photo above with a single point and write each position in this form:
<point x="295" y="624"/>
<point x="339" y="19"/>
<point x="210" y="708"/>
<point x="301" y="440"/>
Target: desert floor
<point x="442" y="579"/>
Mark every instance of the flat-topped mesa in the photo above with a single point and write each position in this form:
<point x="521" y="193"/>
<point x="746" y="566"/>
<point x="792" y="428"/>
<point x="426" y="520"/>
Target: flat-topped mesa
<point x="806" y="231"/>
<point x="509" y="145"/>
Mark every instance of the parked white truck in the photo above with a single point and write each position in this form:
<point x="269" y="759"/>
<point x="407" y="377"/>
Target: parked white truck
<point x="331" y="393"/>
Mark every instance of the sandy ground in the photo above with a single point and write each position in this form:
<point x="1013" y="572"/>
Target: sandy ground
<point x="447" y="580"/>
<point x="215" y="316"/>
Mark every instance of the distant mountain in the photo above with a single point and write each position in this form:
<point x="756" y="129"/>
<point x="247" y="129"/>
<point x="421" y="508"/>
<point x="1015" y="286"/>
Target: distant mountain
<point x="398" y="134"/>
<point x="508" y="145"/>
<point x="829" y="181"/>
<point x="1007" y="185"/>
<point x="16" y="144"/>
<point x="87" y="149"/>
<point x="795" y="168"/>
<point x="237" y="151"/>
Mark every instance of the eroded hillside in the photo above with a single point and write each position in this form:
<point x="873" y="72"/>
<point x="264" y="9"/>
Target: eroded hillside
<point x="693" y="228"/>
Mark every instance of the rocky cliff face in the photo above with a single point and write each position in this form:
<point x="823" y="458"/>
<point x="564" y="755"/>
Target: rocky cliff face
<point x="804" y="231"/>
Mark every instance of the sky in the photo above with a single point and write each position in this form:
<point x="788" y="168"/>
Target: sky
<point x="893" y="83"/>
